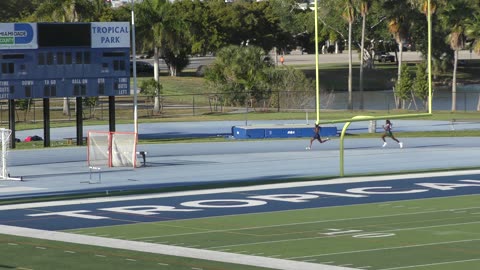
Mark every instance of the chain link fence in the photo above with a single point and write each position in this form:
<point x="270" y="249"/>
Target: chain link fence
<point x="172" y="106"/>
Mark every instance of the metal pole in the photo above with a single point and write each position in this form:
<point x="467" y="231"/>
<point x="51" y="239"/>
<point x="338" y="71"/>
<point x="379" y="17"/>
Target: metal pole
<point x="317" y="77"/>
<point x="429" y="56"/>
<point x="135" y="116"/>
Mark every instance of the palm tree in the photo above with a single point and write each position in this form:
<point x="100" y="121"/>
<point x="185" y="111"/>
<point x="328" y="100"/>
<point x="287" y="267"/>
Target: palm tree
<point x="398" y="26"/>
<point x="473" y="32"/>
<point x="349" y="15"/>
<point x="455" y="19"/>
<point x="152" y="28"/>
<point x="162" y="30"/>
<point x="364" y="7"/>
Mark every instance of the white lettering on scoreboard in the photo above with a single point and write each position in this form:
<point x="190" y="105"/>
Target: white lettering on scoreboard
<point x="79" y="81"/>
<point x="4" y="89"/>
<point x="110" y="34"/>
<point x="27" y="83"/>
<point x="50" y="82"/>
<point x="122" y="88"/>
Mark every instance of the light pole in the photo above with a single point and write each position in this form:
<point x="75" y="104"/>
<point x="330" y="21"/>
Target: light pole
<point x="134" y="56"/>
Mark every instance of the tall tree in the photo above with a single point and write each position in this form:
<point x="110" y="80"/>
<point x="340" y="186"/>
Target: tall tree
<point x="349" y="15"/>
<point x="398" y="25"/>
<point x="240" y="73"/>
<point x="473" y="33"/>
<point x="364" y="8"/>
<point x="455" y="16"/>
<point x="14" y="10"/>
<point x="156" y="31"/>
<point x="420" y="83"/>
<point x="63" y="10"/>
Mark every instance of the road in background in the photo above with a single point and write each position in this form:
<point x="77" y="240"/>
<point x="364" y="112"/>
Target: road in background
<point x="309" y="59"/>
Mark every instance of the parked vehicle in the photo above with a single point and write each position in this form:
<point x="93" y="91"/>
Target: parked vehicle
<point x="142" y="67"/>
<point x="384" y="57"/>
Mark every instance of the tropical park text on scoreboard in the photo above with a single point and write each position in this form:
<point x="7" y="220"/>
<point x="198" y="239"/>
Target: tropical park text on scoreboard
<point x="48" y="60"/>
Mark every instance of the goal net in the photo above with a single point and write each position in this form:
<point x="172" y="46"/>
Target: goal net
<point x="111" y="149"/>
<point x="5" y="137"/>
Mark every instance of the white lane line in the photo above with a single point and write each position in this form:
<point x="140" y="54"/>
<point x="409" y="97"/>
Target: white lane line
<point x="431" y="264"/>
<point x="235" y="258"/>
<point x="300" y="223"/>
<point x="382" y="249"/>
<point x="18" y="189"/>
<point x="346" y="234"/>
<point x="362" y="179"/>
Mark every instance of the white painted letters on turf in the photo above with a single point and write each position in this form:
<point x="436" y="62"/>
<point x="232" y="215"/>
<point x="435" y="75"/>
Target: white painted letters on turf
<point x="257" y="200"/>
<point x="146" y="210"/>
<point x="224" y="203"/>
<point x="74" y="214"/>
<point x="293" y="198"/>
<point x="446" y="186"/>
<point x="383" y="190"/>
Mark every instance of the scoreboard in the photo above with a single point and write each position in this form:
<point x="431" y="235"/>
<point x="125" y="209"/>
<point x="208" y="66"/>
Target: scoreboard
<point x="48" y="60"/>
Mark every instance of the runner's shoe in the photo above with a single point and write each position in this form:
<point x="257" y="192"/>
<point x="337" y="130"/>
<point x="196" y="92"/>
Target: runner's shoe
<point x="384" y="144"/>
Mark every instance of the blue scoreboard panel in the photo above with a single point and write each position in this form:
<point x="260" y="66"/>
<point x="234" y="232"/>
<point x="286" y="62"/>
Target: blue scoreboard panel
<point x="48" y="60"/>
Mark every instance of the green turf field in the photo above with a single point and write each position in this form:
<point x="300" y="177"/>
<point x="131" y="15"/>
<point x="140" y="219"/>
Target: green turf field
<point x="440" y="234"/>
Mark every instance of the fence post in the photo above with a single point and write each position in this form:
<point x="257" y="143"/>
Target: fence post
<point x="372" y="127"/>
<point x="193" y="105"/>
<point x="278" y="101"/>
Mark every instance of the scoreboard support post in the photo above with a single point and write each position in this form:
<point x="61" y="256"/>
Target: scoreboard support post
<point x="111" y="113"/>
<point x="79" y="117"/>
<point x="46" y="122"/>
<point x="11" y="121"/>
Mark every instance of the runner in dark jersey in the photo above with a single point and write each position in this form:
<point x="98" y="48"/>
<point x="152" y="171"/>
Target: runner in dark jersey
<point x="388" y="133"/>
<point x="316" y="136"/>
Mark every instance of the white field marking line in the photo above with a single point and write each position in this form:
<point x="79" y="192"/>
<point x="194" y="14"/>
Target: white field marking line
<point x="362" y="179"/>
<point x="382" y="249"/>
<point x="18" y="189"/>
<point x="234" y="258"/>
<point x="346" y="234"/>
<point x="302" y="223"/>
<point x="431" y="264"/>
